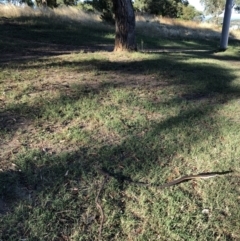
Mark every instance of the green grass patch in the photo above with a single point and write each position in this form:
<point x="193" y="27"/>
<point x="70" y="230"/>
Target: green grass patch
<point x="148" y="117"/>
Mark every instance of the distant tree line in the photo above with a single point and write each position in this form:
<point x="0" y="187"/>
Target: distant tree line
<point x="166" y="8"/>
<point x="216" y="7"/>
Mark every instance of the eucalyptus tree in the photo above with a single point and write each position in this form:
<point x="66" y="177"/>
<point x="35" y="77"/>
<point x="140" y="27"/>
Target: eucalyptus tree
<point x="125" y="19"/>
<point x="125" y="25"/>
<point x="121" y="13"/>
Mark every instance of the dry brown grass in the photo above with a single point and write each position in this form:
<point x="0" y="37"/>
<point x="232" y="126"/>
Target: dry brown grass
<point x="176" y="22"/>
<point x="167" y="27"/>
<point x="153" y="25"/>
<point x="235" y="33"/>
<point x="71" y="13"/>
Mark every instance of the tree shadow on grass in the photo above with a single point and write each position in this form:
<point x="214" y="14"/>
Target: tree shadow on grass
<point x="51" y="184"/>
<point x="56" y="191"/>
<point x="32" y="38"/>
<point x="199" y="77"/>
<point x="27" y="38"/>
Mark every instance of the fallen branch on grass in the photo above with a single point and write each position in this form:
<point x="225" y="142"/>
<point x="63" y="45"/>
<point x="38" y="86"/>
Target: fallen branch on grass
<point x="99" y="207"/>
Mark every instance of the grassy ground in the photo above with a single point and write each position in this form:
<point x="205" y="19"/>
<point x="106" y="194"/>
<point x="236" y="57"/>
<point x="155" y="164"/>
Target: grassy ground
<point x="70" y="108"/>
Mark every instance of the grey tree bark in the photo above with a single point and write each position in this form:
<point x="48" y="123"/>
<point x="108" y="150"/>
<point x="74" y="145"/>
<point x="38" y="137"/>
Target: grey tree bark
<point x="125" y="25"/>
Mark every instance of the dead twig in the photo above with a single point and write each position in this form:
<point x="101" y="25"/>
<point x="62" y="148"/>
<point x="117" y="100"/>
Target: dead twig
<point x="98" y="205"/>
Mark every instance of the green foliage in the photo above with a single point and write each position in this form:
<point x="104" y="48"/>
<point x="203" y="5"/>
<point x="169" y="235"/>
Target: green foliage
<point x="86" y="7"/>
<point x="69" y="2"/>
<point x="50" y="3"/>
<point x="214" y="7"/>
<point x="105" y="7"/>
<point x="168" y="8"/>
<point x="56" y="3"/>
<point x="30" y="3"/>
<point x="189" y="13"/>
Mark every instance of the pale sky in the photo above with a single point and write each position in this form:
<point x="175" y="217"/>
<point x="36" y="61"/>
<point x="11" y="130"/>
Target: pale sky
<point x="196" y="4"/>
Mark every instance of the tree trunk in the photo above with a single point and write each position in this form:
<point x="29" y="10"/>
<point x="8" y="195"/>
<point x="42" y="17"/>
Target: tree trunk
<point x="125" y="25"/>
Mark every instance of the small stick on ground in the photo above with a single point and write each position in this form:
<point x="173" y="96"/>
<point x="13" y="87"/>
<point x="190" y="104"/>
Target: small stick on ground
<point x="100" y="208"/>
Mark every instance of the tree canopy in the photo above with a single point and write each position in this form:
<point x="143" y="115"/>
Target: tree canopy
<point x="215" y="7"/>
<point x="165" y="8"/>
<point x="168" y="8"/>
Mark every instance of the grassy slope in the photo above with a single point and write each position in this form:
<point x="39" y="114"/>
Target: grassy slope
<point x="149" y="116"/>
